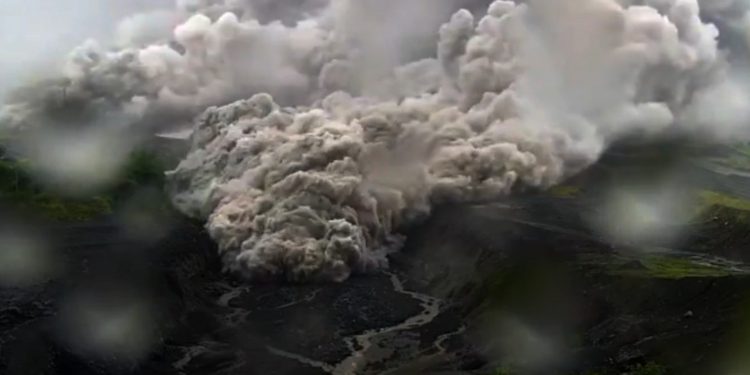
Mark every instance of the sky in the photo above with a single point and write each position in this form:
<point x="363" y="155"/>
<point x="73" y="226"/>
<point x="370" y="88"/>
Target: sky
<point x="34" y="34"/>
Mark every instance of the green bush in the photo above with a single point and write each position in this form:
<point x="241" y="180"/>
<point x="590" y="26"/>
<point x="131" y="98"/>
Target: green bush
<point x="143" y="168"/>
<point x="18" y="188"/>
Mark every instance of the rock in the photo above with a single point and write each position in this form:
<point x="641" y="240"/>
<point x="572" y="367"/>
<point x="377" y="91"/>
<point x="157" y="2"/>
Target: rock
<point x="523" y="280"/>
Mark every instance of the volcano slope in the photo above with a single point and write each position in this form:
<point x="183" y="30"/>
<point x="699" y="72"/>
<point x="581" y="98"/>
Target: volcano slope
<point x="520" y="286"/>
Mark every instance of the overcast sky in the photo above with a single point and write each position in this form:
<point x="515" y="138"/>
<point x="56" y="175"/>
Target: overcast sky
<point x="36" y="33"/>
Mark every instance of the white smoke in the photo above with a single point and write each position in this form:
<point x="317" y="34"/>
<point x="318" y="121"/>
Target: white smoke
<point x="36" y="34"/>
<point x="220" y="52"/>
<point x="522" y="96"/>
<point x="528" y="95"/>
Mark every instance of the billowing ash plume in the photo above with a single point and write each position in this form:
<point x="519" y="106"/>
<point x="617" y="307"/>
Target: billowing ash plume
<point x="529" y="94"/>
<point x="522" y="95"/>
<point x="220" y="52"/>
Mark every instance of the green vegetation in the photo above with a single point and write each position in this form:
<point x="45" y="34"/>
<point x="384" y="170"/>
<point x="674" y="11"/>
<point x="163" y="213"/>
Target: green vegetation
<point x="671" y="267"/>
<point x="739" y="162"/>
<point x="738" y="158"/>
<point x="143" y="167"/>
<point x="18" y="188"/>
<point x="742" y="149"/>
<point x="712" y="198"/>
<point x="723" y="209"/>
<point x="565" y="191"/>
<point x="651" y="265"/>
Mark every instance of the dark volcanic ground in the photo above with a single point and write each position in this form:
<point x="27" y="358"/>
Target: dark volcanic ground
<point x="520" y="286"/>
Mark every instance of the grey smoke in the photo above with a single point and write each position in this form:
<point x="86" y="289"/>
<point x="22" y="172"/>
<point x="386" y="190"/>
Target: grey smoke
<point x="363" y="115"/>
<point x="36" y="34"/>
<point x="173" y="63"/>
<point x="528" y="95"/>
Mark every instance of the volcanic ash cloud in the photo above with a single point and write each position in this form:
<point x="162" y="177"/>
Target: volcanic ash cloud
<point x="360" y="119"/>
<point x="523" y="97"/>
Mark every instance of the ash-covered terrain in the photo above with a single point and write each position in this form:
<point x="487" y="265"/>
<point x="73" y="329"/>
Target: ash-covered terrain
<point x="521" y="285"/>
<point x="367" y="187"/>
